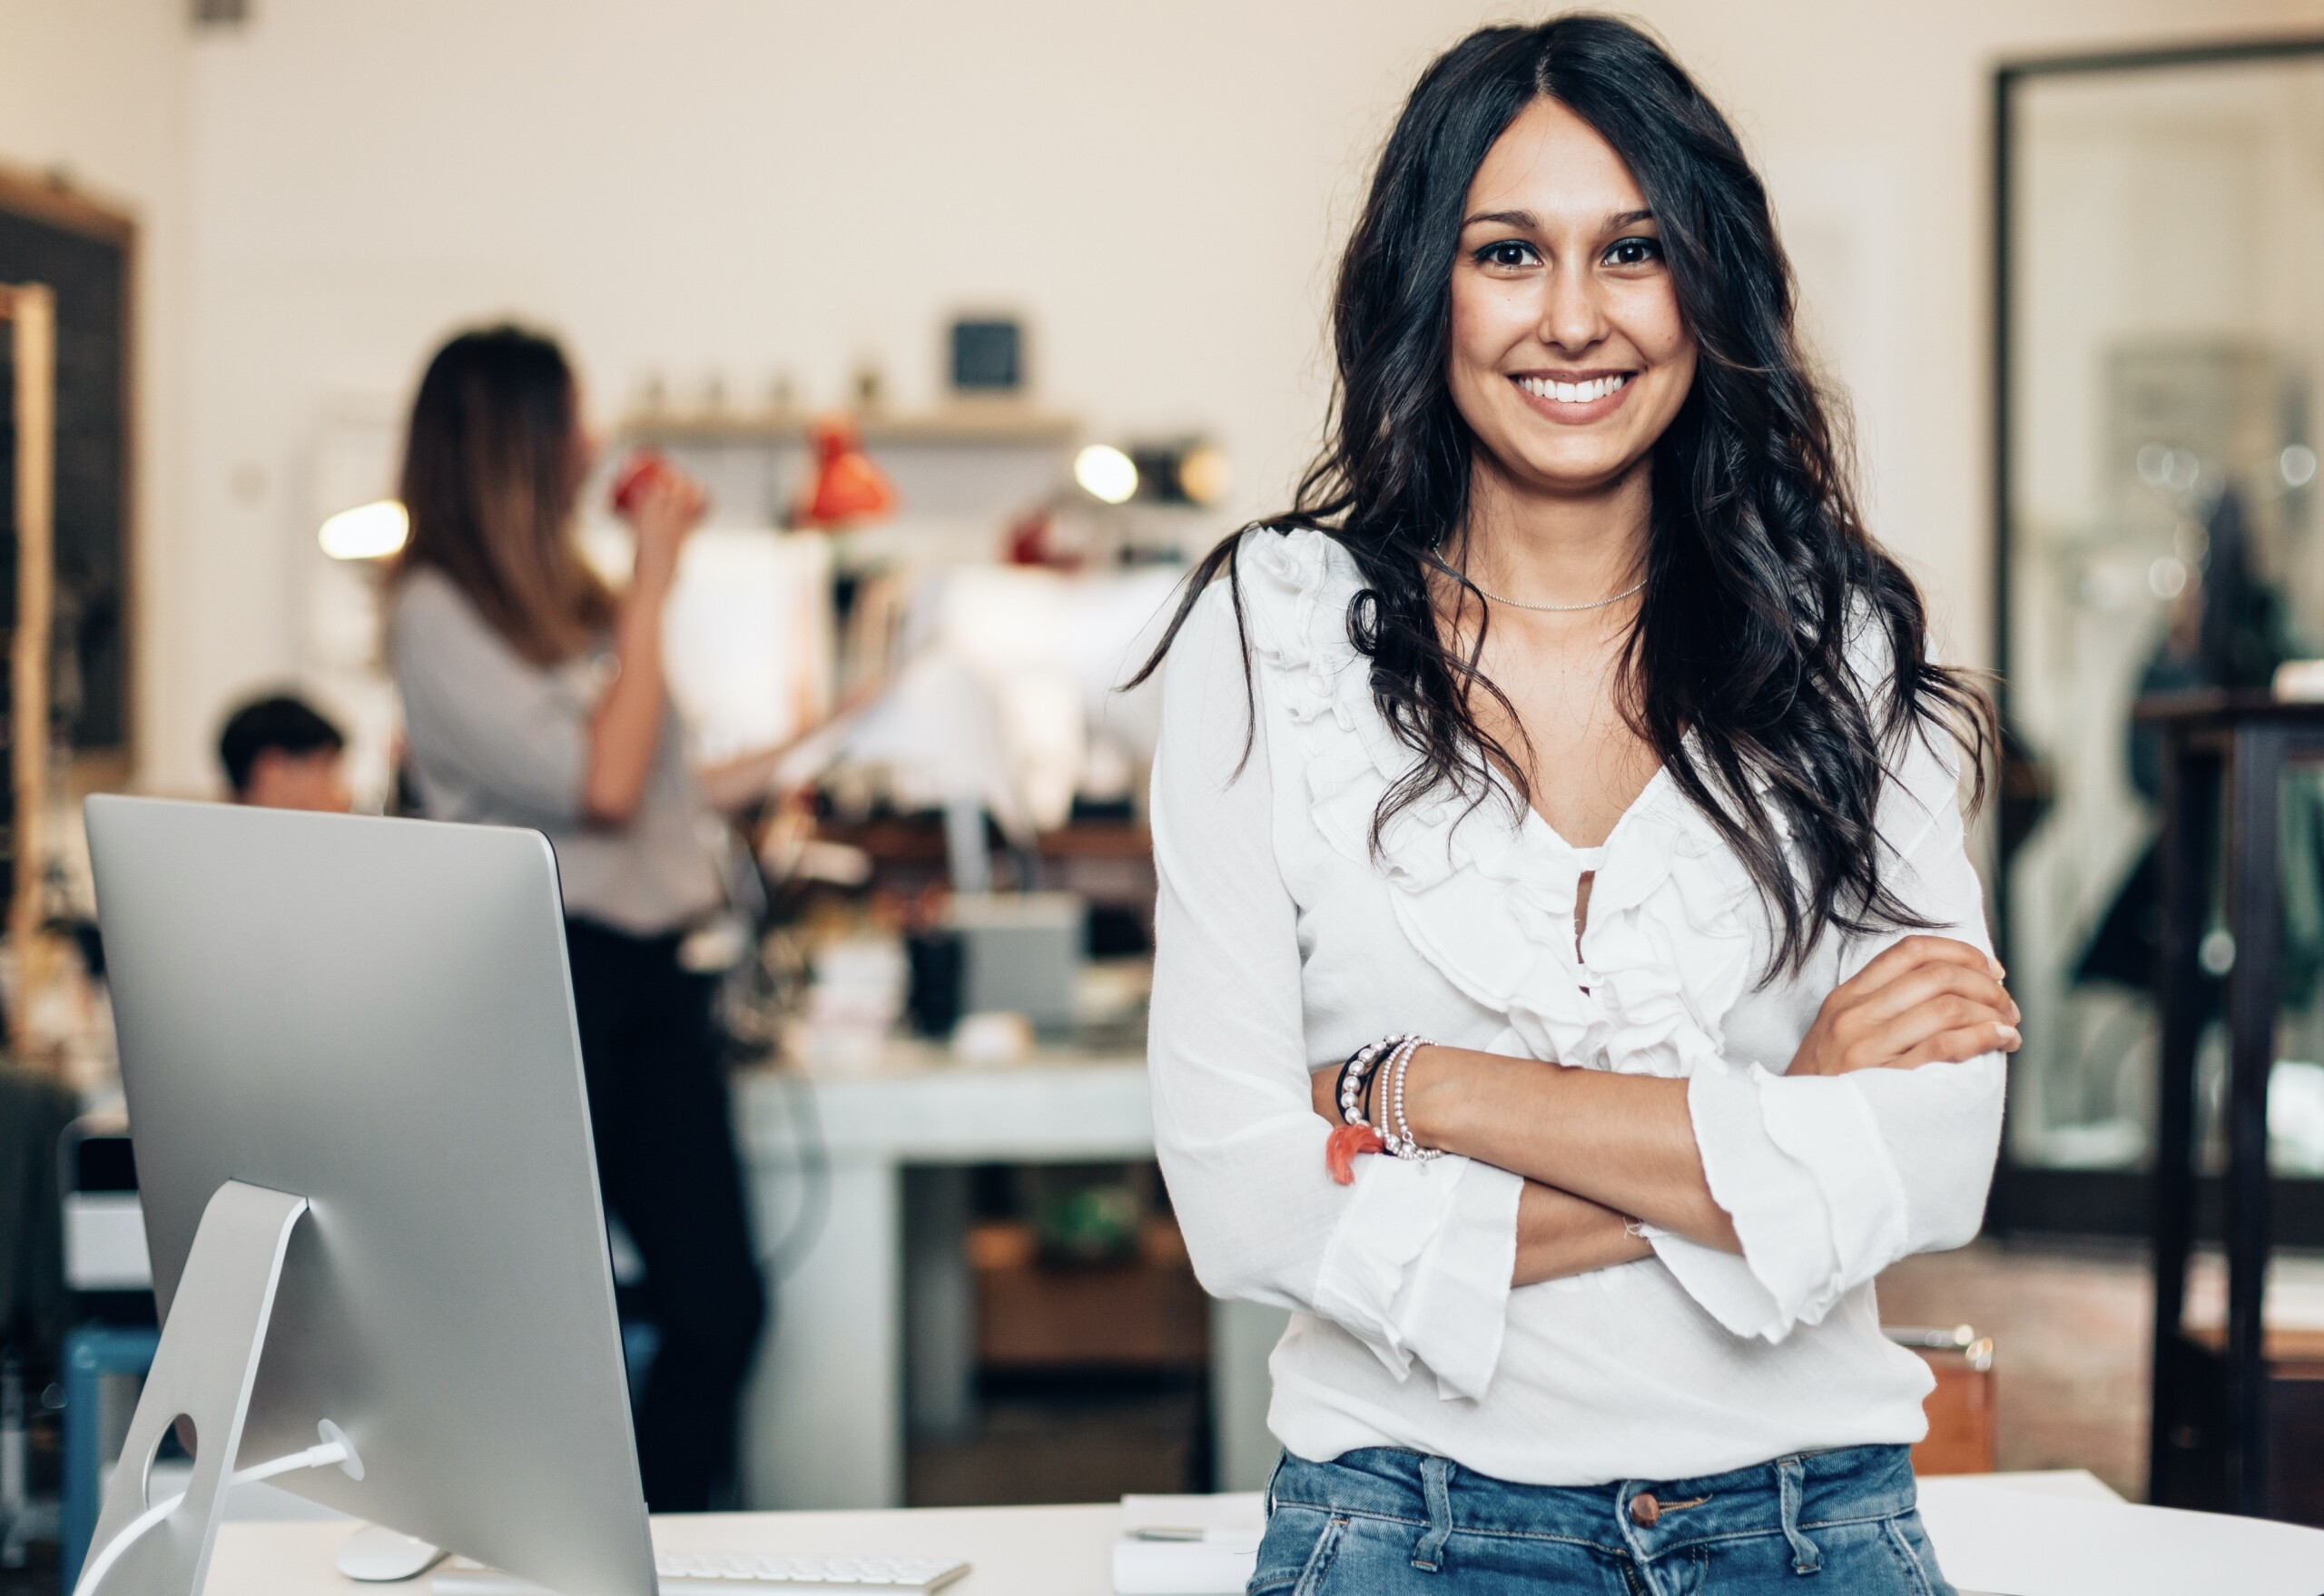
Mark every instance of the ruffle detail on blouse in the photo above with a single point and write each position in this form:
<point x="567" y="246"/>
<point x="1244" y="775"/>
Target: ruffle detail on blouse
<point x="1802" y="1168"/>
<point x="1420" y="1263"/>
<point x="1487" y="897"/>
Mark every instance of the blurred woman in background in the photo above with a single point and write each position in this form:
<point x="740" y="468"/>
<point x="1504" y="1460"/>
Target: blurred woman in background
<point x="534" y="696"/>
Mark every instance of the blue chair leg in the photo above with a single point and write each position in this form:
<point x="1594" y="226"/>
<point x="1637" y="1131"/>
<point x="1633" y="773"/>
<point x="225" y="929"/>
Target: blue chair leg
<point x="91" y="1352"/>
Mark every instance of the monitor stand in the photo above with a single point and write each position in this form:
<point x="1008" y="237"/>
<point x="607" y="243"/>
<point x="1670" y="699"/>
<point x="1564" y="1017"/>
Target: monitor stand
<point x="203" y="1372"/>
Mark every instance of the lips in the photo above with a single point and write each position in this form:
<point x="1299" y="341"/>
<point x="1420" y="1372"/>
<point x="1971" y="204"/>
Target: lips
<point x="1574" y="399"/>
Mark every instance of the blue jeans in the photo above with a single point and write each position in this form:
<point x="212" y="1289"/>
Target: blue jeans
<point x="1382" y="1521"/>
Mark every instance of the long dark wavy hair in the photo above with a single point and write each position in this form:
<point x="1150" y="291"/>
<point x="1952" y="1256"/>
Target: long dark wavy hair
<point x="1759" y="572"/>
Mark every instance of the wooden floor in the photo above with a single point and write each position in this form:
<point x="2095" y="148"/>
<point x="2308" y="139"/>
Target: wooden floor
<point x="2071" y="1328"/>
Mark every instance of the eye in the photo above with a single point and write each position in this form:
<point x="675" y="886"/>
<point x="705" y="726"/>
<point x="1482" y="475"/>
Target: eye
<point x="1633" y="251"/>
<point x="1508" y="254"/>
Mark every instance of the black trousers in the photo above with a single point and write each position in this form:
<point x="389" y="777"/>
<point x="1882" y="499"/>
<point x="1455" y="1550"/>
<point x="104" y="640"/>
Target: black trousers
<point x="666" y="1158"/>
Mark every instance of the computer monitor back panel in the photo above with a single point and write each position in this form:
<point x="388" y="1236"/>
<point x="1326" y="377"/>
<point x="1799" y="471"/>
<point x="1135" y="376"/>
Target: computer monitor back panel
<point x="376" y="1015"/>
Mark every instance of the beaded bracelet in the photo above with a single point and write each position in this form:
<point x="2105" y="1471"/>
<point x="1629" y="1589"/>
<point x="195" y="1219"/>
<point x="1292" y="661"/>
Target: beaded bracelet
<point x="1401" y="1142"/>
<point x="1390" y="1057"/>
<point x="1356" y="1078"/>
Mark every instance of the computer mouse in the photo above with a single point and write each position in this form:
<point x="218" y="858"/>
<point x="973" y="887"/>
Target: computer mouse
<point x="376" y="1554"/>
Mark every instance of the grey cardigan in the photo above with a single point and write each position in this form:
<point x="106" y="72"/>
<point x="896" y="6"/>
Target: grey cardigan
<point x="496" y="739"/>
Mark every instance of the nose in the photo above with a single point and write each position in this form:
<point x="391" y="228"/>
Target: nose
<point x="1573" y="319"/>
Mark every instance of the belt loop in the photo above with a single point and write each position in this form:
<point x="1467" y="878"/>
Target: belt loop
<point x="1791" y="1485"/>
<point x="1435" y="1483"/>
<point x="1273" y="1474"/>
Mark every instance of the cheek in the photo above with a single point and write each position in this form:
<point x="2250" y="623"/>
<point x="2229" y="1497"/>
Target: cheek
<point x="1485" y="323"/>
<point x="1660" y="329"/>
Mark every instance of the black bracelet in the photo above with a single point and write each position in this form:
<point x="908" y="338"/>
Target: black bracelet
<point x="1357" y="1089"/>
<point x="1358" y="1075"/>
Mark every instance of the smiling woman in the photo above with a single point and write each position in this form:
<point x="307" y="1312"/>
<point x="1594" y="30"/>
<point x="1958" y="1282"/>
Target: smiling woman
<point x="1570" y="986"/>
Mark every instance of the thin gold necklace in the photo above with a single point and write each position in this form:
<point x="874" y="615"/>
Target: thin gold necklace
<point x="1557" y="608"/>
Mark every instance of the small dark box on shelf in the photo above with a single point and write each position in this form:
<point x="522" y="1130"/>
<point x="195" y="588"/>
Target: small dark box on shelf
<point x="988" y="355"/>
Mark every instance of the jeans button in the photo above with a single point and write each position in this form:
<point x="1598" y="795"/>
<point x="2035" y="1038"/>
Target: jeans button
<point x="1645" y="1511"/>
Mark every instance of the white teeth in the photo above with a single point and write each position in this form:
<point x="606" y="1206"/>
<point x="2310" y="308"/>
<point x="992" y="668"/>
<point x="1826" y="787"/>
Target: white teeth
<point x="1572" y="393"/>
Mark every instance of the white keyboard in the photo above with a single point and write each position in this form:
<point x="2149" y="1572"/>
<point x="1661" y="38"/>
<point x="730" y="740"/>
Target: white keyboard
<point x="738" y="1573"/>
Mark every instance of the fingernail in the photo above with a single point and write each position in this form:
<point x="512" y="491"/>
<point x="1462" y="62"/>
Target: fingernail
<point x="1994" y="965"/>
<point x="2009" y="1033"/>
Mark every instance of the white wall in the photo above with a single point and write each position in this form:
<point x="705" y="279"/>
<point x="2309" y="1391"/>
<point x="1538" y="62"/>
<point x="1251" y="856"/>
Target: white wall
<point x="745" y="187"/>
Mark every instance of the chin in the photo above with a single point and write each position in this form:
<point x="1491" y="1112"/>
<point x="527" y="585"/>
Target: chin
<point x="1572" y="473"/>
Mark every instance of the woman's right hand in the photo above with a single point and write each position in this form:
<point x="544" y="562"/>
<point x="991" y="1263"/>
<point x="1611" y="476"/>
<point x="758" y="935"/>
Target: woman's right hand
<point x="1928" y="999"/>
<point x="668" y="506"/>
<point x="627" y="729"/>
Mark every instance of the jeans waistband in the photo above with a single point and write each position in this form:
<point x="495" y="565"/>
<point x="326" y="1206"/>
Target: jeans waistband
<point x="1788" y="1495"/>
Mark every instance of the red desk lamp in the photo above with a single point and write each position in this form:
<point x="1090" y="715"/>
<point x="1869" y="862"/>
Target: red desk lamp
<point x="849" y="488"/>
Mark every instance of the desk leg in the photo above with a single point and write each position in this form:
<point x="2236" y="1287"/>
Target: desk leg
<point x="1241" y="1337"/>
<point x="823" y="1416"/>
<point x="2254" y="911"/>
<point x="939" y="1304"/>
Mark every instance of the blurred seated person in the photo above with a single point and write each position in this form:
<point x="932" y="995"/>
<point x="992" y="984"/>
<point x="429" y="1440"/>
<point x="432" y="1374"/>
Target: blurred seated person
<point x="281" y="753"/>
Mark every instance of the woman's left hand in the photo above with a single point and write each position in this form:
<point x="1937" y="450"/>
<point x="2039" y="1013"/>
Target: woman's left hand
<point x="1928" y="999"/>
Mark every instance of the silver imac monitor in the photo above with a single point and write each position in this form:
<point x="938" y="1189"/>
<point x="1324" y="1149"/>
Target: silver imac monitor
<point x="374" y="1016"/>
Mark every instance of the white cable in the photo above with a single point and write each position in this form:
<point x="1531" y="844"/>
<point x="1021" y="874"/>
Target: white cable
<point x="323" y="1457"/>
<point x="93" y="1571"/>
<point x="320" y="1456"/>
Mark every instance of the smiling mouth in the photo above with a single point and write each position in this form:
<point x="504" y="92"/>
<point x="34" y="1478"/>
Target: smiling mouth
<point x="1589" y="391"/>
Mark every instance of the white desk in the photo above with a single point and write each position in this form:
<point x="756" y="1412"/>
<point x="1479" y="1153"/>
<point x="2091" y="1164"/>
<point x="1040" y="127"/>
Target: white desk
<point x="1016" y="1551"/>
<point x="2027" y="1535"/>
<point x="824" y="1418"/>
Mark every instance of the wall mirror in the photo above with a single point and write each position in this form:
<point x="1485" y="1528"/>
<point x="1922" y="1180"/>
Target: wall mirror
<point x="2159" y="247"/>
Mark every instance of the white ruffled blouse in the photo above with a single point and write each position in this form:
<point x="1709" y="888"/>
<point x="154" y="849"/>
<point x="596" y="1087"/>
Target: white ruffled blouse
<point x="1284" y="943"/>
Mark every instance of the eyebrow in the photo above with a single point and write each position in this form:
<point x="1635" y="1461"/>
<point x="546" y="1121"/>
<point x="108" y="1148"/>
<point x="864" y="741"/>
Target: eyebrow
<point x="1528" y="221"/>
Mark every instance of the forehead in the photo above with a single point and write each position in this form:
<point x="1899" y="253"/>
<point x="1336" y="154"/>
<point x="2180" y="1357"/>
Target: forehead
<point x="1554" y="164"/>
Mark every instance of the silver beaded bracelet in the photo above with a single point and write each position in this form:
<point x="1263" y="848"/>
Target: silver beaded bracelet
<point x="1399" y="1138"/>
<point x="1391" y="1057"/>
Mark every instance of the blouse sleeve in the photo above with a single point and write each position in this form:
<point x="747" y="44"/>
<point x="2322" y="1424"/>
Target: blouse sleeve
<point x="1829" y="1180"/>
<point x="480" y="718"/>
<point x="1414" y="1259"/>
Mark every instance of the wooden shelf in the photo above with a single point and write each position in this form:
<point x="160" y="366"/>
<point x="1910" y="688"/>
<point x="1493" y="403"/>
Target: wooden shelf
<point x="921" y="842"/>
<point x="1145" y="1312"/>
<point x="953" y="426"/>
